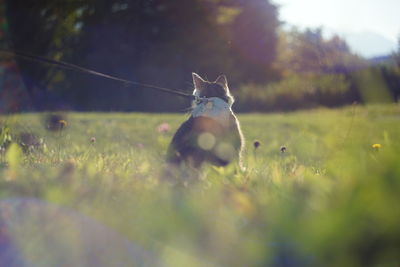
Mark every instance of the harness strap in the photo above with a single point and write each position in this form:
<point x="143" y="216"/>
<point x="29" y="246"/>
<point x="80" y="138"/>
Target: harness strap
<point x="69" y="66"/>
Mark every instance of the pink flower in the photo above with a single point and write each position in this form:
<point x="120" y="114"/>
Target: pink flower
<point x="163" y="128"/>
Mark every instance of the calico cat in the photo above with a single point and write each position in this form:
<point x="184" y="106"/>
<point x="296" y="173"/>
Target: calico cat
<point x="212" y="133"/>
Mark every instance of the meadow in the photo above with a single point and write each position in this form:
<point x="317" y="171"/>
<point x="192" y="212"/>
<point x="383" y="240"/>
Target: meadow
<point x="321" y="189"/>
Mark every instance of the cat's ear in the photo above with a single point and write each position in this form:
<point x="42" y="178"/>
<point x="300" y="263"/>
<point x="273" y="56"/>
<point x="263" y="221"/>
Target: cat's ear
<point x="221" y="80"/>
<point x="197" y="81"/>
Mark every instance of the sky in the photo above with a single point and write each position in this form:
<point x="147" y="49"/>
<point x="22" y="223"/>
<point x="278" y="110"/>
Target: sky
<point x="371" y="27"/>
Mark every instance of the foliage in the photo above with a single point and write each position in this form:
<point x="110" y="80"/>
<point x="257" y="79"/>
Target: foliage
<point x="378" y="84"/>
<point x="295" y="92"/>
<point x="329" y="199"/>
<point x="53" y="26"/>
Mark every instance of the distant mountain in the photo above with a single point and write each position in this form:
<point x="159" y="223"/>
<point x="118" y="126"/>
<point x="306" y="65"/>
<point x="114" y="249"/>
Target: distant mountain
<point x="370" y="44"/>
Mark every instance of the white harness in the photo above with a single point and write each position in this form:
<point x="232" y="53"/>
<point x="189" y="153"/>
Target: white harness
<point x="213" y="107"/>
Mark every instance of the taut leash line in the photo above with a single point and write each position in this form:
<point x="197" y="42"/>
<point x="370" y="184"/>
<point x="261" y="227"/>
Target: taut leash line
<point x="69" y="66"/>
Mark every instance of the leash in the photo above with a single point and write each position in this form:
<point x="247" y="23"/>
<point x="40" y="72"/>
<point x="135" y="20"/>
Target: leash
<point x="69" y="66"/>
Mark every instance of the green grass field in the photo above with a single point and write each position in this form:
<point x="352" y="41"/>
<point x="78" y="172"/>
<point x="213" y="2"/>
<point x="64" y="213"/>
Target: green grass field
<point x="330" y="199"/>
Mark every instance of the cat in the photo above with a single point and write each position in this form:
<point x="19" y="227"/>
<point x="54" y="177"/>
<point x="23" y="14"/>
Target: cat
<point x="212" y="134"/>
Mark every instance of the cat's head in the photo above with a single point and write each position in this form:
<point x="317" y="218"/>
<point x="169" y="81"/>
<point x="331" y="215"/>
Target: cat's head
<point x="219" y="88"/>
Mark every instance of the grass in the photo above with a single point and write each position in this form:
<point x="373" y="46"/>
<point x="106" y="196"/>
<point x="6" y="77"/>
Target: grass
<point x="329" y="200"/>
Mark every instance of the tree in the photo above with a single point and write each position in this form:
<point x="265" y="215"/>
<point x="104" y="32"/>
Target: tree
<point x="42" y="27"/>
<point x="253" y="40"/>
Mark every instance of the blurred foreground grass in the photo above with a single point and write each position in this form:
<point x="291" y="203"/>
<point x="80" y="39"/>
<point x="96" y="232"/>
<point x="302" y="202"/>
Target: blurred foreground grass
<point x="330" y="199"/>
